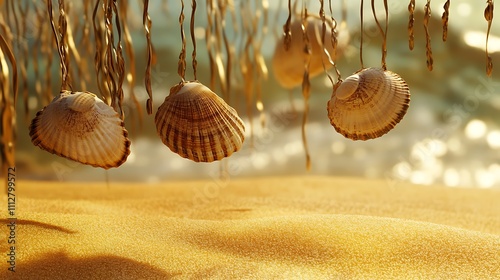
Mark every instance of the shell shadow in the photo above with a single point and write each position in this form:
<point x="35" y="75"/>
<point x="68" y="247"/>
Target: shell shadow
<point x="59" y="266"/>
<point x="40" y="225"/>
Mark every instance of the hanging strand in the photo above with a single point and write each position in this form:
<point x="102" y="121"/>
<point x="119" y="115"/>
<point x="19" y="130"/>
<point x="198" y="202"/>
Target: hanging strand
<point x="427" y="16"/>
<point x="287" y="29"/>
<point x="23" y="63"/>
<point x="219" y="13"/>
<point x="361" y="34"/>
<point x="226" y="89"/>
<point x="74" y="51"/>
<point x="306" y="85"/>
<point x="208" y="42"/>
<point x="99" y="48"/>
<point x="247" y="65"/>
<point x="62" y="48"/>
<point x="334" y="41"/>
<point x="411" y="21"/>
<point x="488" y="15"/>
<point x="444" y="19"/>
<point x="116" y="60"/>
<point x="193" y="39"/>
<point x="46" y="51"/>
<point x="146" y="21"/>
<point x="262" y="71"/>
<point x="382" y="32"/>
<point x="130" y="73"/>
<point x="38" y="42"/>
<point x="333" y="31"/>
<point x="7" y="106"/>
<point x="181" y="66"/>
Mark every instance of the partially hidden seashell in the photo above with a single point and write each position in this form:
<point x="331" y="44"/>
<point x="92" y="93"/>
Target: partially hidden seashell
<point x="368" y="104"/>
<point x="81" y="127"/>
<point x="288" y="65"/>
<point x="197" y="124"/>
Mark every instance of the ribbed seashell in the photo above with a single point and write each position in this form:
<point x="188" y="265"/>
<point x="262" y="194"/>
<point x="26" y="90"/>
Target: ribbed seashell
<point x="288" y="65"/>
<point x="81" y="127"/>
<point x="197" y="124"/>
<point x="368" y="104"/>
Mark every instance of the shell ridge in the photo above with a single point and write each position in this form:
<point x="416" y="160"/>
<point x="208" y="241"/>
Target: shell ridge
<point x="378" y="105"/>
<point x="76" y="126"/>
<point x="199" y="126"/>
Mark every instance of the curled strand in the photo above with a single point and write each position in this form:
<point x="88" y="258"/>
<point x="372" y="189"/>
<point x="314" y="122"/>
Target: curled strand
<point x="60" y="42"/>
<point x="150" y="57"/>
<point x="361" y="35"/>
<point x="427" y="16"/>
<point x="181" y="69"/>
<point x="444" y="19"/>
<point x="193" y="39"/>
<point x="306" y="86"/>
<point x="382" y="32"/>
<point x="287" y="29"/>
<point x="411" y="21"/>
<point x="488" y="15"/>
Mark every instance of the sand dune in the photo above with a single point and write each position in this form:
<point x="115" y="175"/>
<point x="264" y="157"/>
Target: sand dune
<point x="268" y="228"/>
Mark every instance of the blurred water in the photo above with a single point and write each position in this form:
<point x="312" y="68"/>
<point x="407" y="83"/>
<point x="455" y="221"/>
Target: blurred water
<point x="450" y="135"/>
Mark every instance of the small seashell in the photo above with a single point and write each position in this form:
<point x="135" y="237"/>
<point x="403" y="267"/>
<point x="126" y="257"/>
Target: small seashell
<point x="197" y="124"/>
<point x="368" y="104"/>
<point x="81" y="127"/>
<point x="288" y="65"/>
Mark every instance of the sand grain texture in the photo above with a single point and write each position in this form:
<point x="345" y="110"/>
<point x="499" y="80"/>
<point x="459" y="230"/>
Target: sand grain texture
<point x="266" y="228"/>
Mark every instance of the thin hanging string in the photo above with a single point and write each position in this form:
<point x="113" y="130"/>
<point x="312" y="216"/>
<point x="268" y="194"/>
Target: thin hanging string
<point x="130" y="71"/>
<point x="8" y="109"/>
<point x="208" y="42"/>
<point x="262" y="71"/>
<point x="382" y="32"/>
<point x="44" y="40"/>
<point x="334" y="41"/>
<point x="306" y="85"/>
<point x="61" y="48"/>
<point x="488" y="15"/>
<point x="181" y="66"/>
<point x="193" y="39"/>
<point x="362" y="33"/>
<point x="444" y="19"/>
<point x="146" y="21"/>
<point x="334" y="34"/>
<point x="99" y="46"/>
<point x="117" y="60"/>
<point x="227" y="71"/>
<point x="411" y="21"/>
<point x="428" y="48"/>
<point x="82" y="69"/>
<point x="23" y="10"/>
<point x="246" y="64"/>
<point x="287" y="29"/>
<point x="38" y="42"/>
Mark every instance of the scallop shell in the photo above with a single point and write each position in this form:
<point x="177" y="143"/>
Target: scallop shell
<point x="197" y="124"/>
<point x="288" y="65"/>
<point x="81" y="127"/>
<point x="368" y="104"/>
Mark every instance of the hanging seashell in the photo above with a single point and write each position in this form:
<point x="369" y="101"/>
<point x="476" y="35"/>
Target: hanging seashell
<point x="368" y="104"/>
<point x="197" y="124"/>
<point x="288" y="65"/>
<point x="81" y="127"/>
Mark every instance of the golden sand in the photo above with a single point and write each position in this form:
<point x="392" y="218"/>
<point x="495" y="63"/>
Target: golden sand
<point x="266" y="228"/>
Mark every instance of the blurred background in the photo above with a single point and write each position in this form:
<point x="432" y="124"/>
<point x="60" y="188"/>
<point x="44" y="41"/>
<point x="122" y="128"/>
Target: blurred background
<point x="450" y="134"/>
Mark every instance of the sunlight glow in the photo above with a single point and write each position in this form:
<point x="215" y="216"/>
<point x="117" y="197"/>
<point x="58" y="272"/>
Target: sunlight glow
<point x="477" y="39"/>
<point x="475" y="129"/>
